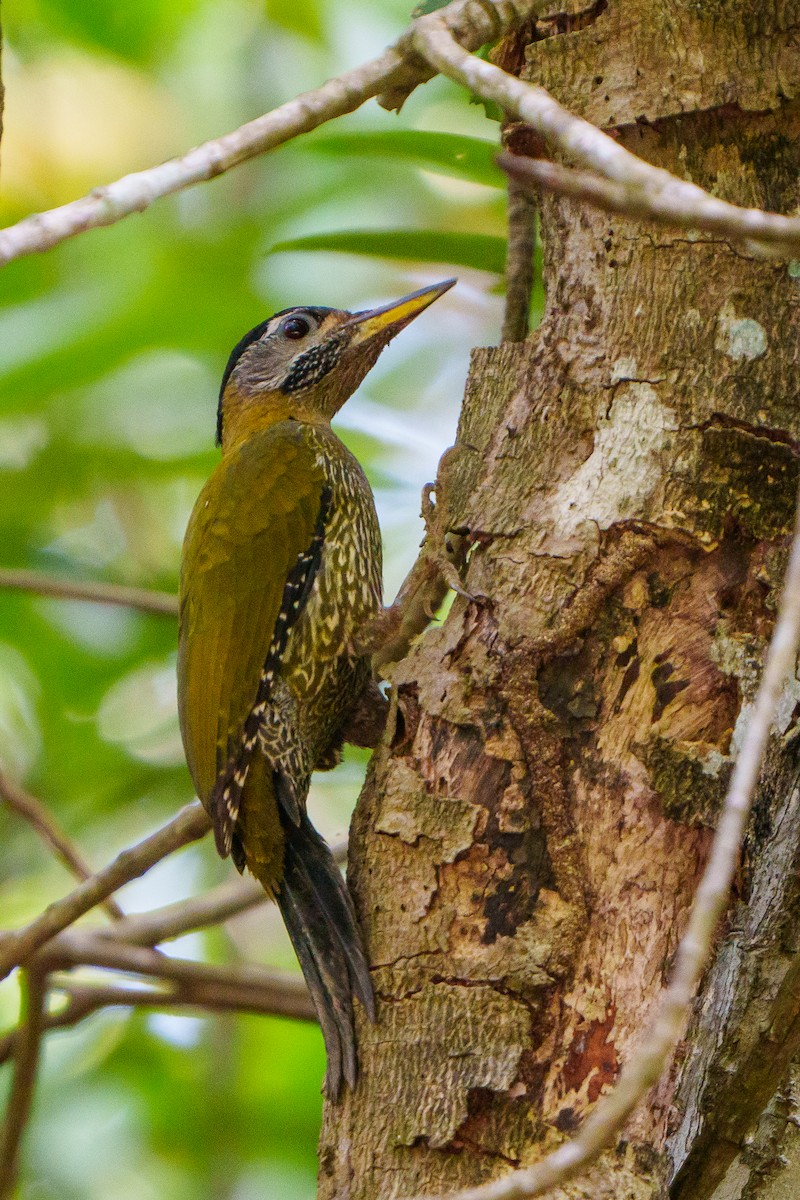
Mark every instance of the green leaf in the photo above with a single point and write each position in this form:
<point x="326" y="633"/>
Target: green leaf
<point x="479" y="250"/>
<point x="303" y="17"/>
<point x="427" y="6"/>
<point x="491" y="110"/>
<point x="133" y="32"/>
<point x="452" y="154"/>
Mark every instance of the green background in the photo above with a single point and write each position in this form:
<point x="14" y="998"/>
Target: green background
<point x="111" y="349"/>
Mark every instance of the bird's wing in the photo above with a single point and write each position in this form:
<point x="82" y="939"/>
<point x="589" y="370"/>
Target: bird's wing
<point x="253" y="521"/>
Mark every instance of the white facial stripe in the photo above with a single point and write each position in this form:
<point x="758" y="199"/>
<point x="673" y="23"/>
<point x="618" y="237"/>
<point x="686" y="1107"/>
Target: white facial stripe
<point x="273" y="327"/>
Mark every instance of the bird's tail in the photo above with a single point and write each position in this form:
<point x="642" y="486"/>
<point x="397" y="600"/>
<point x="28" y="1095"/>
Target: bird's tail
<point x="321" y="921"/>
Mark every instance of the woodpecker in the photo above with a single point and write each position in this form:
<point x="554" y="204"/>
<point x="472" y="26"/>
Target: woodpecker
<point x="281" y="568"/>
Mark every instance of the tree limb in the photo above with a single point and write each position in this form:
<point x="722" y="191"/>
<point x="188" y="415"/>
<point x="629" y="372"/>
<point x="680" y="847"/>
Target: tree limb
<point x="393" y="76"/>
<point x="649" y="188"/>
<point x="647" y="1064"/>
<point x="191" y="985"/>
<point x="190" y="824"/>
<point x="698" y="212"/>
<point x="436" y="42"/>
<point x="185" y="916"/>
<point x="519" y="262"/>
<point x="161" y="603"/>
<point x="64" y="1018"/>
<point x="26" y="1061"/>
<point x="271" y="991"/>
<point x="283" y="997"/>
<point x="35" y="813"/>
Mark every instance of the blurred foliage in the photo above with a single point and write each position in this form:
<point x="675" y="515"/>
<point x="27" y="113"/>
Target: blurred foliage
<point x="112" y="348"/>
<point x="479" y="250"/>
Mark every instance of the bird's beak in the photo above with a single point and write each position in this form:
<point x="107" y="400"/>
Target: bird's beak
<point x="391" y="318"/>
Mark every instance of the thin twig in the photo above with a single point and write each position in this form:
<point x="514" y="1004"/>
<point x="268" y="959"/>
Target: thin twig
<point x="652" y="189"/>
<point x="285" y="996"/>
<point x="35" y="813"/>
<point x="137" y="191"/>
<point x="63" y="1018"/>
<point x="393" y="75"/>
<point x="192" y="985"/>
<point x="389" y="637"/>
<point x="648" y="1063"/>
<point x="271" y="991"/>
<point x="433" y="43"/>
<point x="26" y="1061"/>
<point x="161" y="603"/>
<point x="284" y="999"/>
<point x="184" y="916"/>
<point x="190" y="824"/>
<point x="706" y="213"/>
<point x="519" y="263"/>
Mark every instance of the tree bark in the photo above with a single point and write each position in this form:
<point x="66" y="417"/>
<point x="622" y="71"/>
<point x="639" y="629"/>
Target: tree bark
<point x="528" y="842"/>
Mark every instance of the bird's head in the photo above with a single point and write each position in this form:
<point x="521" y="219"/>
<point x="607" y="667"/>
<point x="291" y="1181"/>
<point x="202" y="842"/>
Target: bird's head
<point x="305" y="362"/>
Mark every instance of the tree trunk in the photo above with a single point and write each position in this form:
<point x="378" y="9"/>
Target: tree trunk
<point x="527" y="847"/>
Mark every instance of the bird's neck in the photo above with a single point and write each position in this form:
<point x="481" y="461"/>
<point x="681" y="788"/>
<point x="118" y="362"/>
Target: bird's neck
<point x="244" y="416"/>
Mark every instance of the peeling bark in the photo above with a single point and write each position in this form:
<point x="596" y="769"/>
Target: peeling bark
<point x="529" y="839"/>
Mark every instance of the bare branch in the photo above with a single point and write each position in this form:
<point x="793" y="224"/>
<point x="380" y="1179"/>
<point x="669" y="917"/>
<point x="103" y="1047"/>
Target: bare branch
<point x="184" y="916"/>
<point x="435" y="42"/>
<point x="26" y="1061"/>
<point x="285" y="996"/>
<point x="267" y="990"/>
<point x="190" y="824"/>
<point x="136" y="192"/>
<point x="161" y="603"/>
<point x="83" y="999"/>
<point x="63" y="1018"/>
<point x="651" y="191"/>
<point x="519" y="263"/>
<point x="394" y="74"/>
<point x="647" y="1064"/>
<point x="432" y="43"/>
<point x="192" y="985"/>
<point x="35" y="813"/>
<point x="705" y="212"/>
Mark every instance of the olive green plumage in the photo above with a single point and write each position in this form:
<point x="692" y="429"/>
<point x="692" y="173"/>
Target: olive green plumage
<point x="281" y="569"/>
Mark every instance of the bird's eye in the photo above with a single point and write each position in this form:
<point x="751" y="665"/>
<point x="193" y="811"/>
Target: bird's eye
<point x="296" y="327"/>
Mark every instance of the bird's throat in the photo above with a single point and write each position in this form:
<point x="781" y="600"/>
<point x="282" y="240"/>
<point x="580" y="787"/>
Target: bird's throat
<point x="248" y="413"/>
